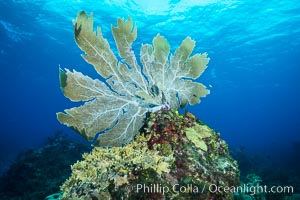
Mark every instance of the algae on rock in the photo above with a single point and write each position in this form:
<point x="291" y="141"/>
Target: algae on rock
<point x="119" y="172"/>
<point x="117" y="106"/>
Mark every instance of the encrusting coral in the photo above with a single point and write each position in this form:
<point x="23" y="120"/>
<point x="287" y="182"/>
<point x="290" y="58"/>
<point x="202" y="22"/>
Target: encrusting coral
<point x="161" y="157"/>
<point x="152" y="151"/>
<point x="197" y="134"/>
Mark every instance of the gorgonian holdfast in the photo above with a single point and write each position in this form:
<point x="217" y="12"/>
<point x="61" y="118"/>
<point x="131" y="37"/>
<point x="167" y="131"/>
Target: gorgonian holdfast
<point x="116" y="107"/>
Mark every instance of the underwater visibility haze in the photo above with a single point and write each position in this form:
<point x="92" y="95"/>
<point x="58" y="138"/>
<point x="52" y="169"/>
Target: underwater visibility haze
<point x="253" y="71"/>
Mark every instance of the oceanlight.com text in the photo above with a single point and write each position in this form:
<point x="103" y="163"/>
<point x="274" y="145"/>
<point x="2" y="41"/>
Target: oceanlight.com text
<point x="212" y="188"/>
<point x="251" y="189"/>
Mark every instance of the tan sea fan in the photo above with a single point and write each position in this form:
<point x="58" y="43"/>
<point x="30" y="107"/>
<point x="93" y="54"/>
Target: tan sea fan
<point x="116" y="107"/>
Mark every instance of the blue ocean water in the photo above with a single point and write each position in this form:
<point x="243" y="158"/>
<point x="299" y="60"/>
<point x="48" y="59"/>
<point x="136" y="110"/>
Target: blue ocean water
<point x="253" y="74"/>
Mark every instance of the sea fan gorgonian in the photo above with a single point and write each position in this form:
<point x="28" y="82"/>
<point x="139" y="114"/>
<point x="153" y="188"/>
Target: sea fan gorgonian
<point x="114" y="109"/>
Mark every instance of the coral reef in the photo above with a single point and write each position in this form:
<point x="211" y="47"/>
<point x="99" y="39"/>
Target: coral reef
<point x="268" y="170"/>
<point x="163" y="162"/>
<point x="55" y="196"/>
<point x="38" y="173"/>
<point x="116" y="104"/>
<point x="146" y="149"/>
<point x="253" y="182"/>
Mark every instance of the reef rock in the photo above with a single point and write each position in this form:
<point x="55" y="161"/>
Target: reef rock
<point x="174" y="157"/>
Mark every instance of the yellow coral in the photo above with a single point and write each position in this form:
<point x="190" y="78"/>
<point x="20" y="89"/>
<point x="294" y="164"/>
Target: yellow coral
<point x="103" y="165"/>
<point x="196" y="134"/>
